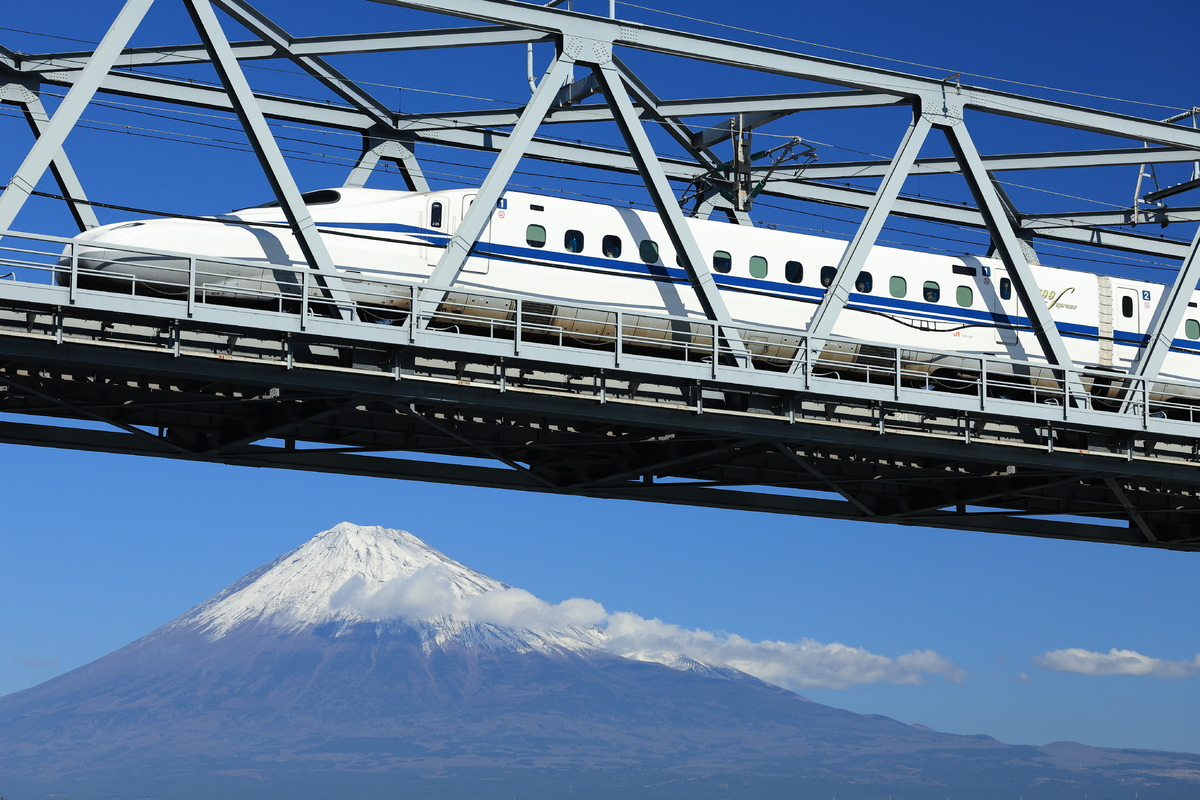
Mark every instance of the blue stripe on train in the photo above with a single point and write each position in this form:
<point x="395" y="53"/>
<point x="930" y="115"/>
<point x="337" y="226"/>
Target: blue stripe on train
<point x="658" y="272"/>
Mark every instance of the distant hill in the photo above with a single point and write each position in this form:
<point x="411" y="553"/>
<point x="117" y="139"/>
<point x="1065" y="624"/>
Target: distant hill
<point x="293" y="683"/>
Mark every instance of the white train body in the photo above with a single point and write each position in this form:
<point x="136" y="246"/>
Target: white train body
<point x="563" y="252"/>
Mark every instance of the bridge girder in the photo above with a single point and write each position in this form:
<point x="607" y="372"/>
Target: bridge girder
<point x="701" y="465"/>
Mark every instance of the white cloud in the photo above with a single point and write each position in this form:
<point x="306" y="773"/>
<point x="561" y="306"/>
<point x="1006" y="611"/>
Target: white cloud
<point x="430" y="593"/>
<point x="803" y="664"/>
<point x="1115" y="662"/>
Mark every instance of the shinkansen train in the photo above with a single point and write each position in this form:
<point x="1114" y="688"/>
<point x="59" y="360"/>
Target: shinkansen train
<point x="558" y="253"/>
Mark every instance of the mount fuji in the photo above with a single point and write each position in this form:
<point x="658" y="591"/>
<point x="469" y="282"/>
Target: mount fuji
<point x="367" y="664"/>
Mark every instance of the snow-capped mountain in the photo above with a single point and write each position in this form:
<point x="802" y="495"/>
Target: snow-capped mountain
<point x="352" y="575"/>
<point x="367" y="664"/>
<point x="302" y="588"/>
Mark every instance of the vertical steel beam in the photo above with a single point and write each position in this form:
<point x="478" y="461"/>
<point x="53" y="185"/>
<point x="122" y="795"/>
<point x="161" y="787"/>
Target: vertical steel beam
<point x="855" y="255"/>
<point x="60" y="166"/>
<point x="480" y="213"/>
<point x="1009" y="249"/>
<point x="50" y="143"/>
<point x="1167" y="317"/>
<point x="269" y="156"/>
<point x="694" y="263"/>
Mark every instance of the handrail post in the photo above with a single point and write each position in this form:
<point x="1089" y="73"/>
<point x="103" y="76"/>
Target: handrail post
<point x="715" y="329"/>
<point x="808" y="362"/>
<point x="517" y="332"/>
<point x="896" y="382"/>
<point x="73" y="282"/>
<point x="1145" y="403"/>
<point x="620" y="338"/>
<point x="191" y="287"/>
<point x="303" y="299"/>
<point x="411" y="323"/>
<point x="983" y="385"/>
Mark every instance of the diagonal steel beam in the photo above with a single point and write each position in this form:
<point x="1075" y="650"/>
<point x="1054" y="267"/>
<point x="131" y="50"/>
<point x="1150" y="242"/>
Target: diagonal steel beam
<point x="607" y="158"/>
<point x="771" y="60"/>
<point x="1134" y="515"/>
<point x="50" y="143"/>
<point x="1008" y="247"/>
<point x="648" y="100"/>
<point x="86" y="413"/>
<point x="338" y="83"/>
<point x="667" y="205"/>
<point x="275" y="430"/>
<point x="829" y="483"/>
<point x="380" y="143"/>
<point x="1168" y="316"/>
<point x="480" y="213"/>
<point x="269" y="156"/>
<point x="1036" y="483"/>
<point x="690" y="460"/>
<point x="60" y="167"/>
<point x="410" y="410"/>
<point x="855" y="254"/>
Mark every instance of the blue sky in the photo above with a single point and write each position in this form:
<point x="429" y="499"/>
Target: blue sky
<point x="97" y="550"/>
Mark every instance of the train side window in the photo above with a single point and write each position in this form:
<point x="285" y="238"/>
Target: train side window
<point x="793" y="271"/>
<point x="965" y="296"/>
<point x="573" y="241"/>
<point x="827" y="276"/>
<point x="1191" y="329"/>
<point x="864" y="283"/>
<point x="611" y="246"/>
<point x="897" y="286"/>
<point x="535" y="236"/>
<point x="1005" y="289"/>
<point x="722" y="262"/>
<point x="932" y="292"/>
<point x="648" y="250"/>
<point x="435" y="215"/>
<point x="1127" y="307"/>
<point x="758" y="267"/>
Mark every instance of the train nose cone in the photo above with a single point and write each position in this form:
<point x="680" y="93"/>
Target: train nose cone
<point x="108" y="257"/>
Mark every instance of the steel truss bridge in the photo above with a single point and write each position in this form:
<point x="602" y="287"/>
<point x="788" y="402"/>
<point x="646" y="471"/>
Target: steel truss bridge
<point x="306" y="378"/>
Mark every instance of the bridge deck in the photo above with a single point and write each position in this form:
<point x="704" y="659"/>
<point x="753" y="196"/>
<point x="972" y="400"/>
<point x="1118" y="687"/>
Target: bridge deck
<point x="516" y="404"/>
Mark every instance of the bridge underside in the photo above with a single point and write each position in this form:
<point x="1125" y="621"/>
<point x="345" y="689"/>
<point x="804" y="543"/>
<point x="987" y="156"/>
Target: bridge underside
<point x="196" y="391"/>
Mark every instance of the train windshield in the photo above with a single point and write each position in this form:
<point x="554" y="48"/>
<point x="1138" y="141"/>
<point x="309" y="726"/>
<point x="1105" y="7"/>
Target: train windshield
<point x="321" y="197"/>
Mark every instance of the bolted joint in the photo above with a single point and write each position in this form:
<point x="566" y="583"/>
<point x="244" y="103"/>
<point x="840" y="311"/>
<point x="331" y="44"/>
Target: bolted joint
<point x="945" y="111"/>
<point x="18" y="93"/>
<point x="587" y="51"/>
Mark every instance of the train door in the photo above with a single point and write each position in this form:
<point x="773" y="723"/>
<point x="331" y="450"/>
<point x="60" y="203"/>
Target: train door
<point x="438" y="225"/>
<point x="1004" y="306"/>
<point x="1129" y="304"/>
<point x="478" y="261"/>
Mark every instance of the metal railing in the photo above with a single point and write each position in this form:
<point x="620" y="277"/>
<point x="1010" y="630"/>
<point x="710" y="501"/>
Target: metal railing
<point x="610" y="337"/>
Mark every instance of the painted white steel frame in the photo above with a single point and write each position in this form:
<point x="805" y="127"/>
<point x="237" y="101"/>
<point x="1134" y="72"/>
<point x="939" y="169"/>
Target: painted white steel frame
<point x="590" y="41"/>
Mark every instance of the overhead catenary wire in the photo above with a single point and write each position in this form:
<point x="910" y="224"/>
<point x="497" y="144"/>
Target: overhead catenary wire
<point x="234" y="127"/>
<point x="939" y="69"/>
<point x="465" y="180"/>
<point x="307" y="150"/>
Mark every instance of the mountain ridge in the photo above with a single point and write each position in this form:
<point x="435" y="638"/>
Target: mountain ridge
<point x="299" y="680"/>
